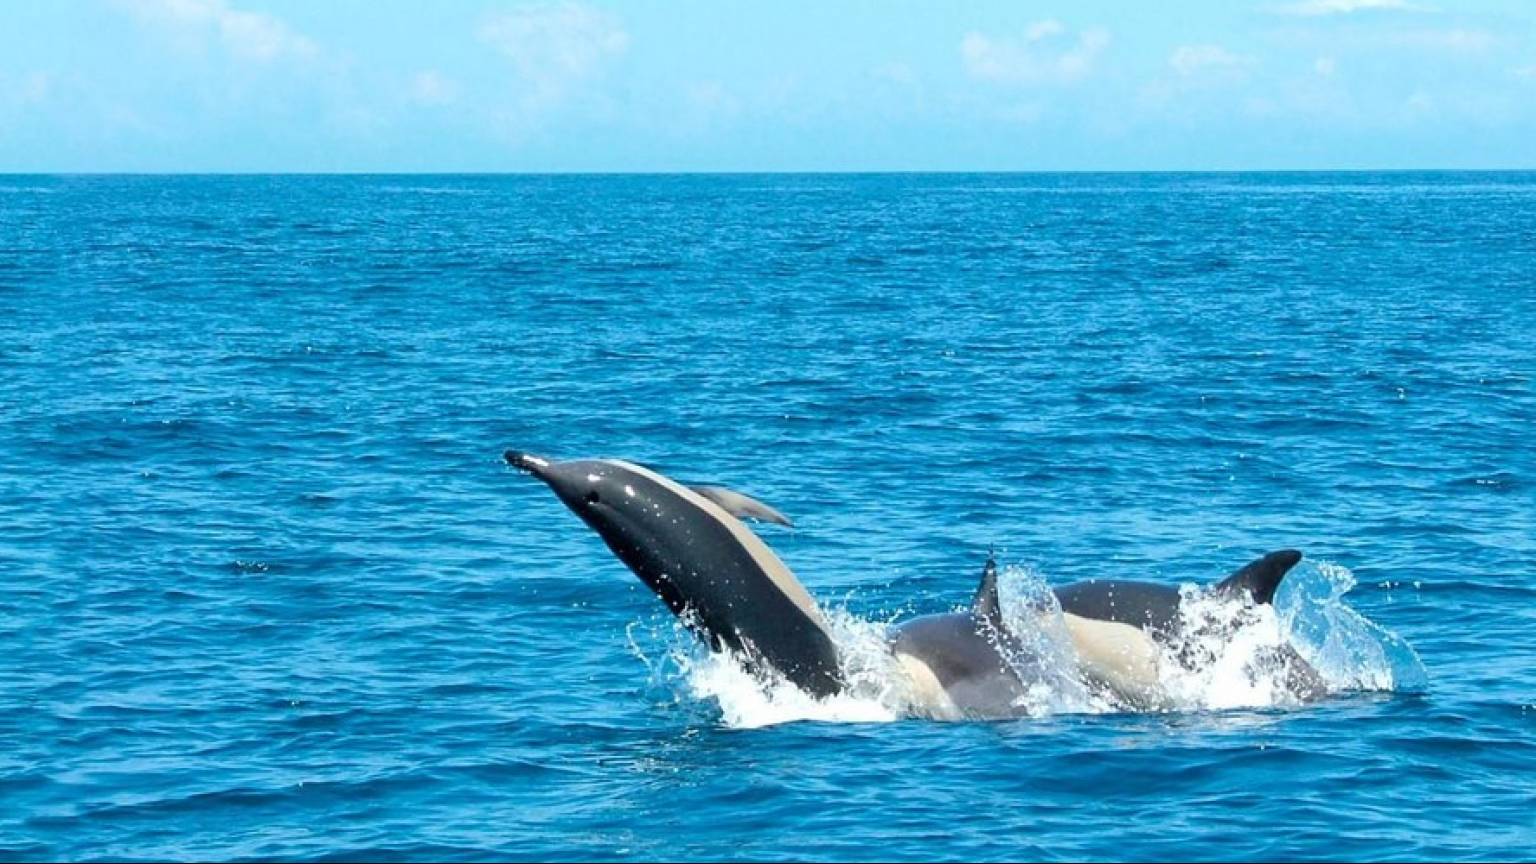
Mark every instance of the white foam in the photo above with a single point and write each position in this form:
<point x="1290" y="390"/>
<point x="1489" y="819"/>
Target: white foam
<point x="1219" y="661"/>
<point x="875" y="691"/>
<point x="1224" y="659"/>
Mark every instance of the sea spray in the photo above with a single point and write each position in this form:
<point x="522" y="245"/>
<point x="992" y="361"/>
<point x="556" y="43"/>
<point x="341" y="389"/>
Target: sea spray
<point x="1228" y="654"/>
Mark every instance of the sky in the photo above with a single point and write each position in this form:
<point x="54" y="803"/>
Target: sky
<point x="687" y="85"/>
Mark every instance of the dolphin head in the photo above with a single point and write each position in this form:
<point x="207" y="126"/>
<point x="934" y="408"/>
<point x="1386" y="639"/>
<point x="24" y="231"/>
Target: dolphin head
<point x="591" y="488"/>
<point x="632" y="509"/>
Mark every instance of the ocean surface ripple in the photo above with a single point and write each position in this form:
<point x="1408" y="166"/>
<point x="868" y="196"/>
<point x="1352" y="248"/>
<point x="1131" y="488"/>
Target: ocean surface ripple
<point x="267" y="591"/>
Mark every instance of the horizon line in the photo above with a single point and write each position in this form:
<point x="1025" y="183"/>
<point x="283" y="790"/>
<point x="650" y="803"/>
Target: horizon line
<point x="765" y="172"/>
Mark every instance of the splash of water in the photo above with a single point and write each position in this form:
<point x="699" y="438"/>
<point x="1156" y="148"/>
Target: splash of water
<point x="1349" y="650"/>
<point x="874" y="691"/>
<point x="1228" y="655"/>
<point x="1044" y="657"/>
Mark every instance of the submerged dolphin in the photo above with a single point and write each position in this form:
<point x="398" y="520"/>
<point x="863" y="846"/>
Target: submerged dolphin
<point x="688" y="544"/>
<point x="1120" y="628"/>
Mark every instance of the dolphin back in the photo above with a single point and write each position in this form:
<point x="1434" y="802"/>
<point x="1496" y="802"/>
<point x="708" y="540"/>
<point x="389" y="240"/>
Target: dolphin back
<point x="1260" y="579"/>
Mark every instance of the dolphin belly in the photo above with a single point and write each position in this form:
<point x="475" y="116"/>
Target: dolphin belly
<point x="1119" y="629"/>
<point x="1117" y="656"/>
<point x="924" y="694"/>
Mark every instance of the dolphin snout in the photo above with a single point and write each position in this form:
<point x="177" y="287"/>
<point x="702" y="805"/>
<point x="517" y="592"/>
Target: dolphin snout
<point x="526" y="462"/>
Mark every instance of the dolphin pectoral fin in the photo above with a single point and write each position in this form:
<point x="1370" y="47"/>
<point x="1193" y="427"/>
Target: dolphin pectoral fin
<point x="985" y="605"/>
<point x="1261" y="578"/>
<point x="1299" y="678"/>
<point x="741" y="506"/>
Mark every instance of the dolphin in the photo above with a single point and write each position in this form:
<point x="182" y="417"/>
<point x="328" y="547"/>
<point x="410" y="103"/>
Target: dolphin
<point x="966" y="664"/>
<point x="1122" y="629"/>
<point x="690" y="546"/>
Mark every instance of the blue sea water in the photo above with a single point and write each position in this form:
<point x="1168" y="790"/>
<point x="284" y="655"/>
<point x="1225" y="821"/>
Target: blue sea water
<point x="267" y="590"/>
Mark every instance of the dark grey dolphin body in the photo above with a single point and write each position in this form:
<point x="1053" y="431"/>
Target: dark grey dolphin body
<point x="689" y="546"/>
<point x="965" y="664"/>
<point x="1154" y="606"/>
<point x="709" y="568"/>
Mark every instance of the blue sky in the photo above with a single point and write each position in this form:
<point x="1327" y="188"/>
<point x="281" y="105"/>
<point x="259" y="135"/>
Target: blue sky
<point x="466" y="85"/>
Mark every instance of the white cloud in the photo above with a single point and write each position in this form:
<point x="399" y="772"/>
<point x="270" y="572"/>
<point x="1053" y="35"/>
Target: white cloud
<point x="1320" y="8"/>
<point x="32" y="89"/>
<point x="1044" y="29"/>
<point x="1459" y="41"/>
<point x="1046" y="54"/>
<point x="433" y="89"/>
<point x="895" y="73"/>
<point x="252" y="36"/>
<point x="555" y="46"/>
<point x="1191" y="60"/>
<point x="19" y="93"/>
<point x="1325" y="66"/>
<point x="1527" y="73"/>
<point x="710" y="100"/>
<point x="1442" y="40"/>
<point x="1201" y="78"/>
<point x="256" y="36"/>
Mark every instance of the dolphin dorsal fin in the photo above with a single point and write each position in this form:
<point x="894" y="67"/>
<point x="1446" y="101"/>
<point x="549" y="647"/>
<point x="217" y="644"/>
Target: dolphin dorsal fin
<point x="986" y="605"/>
<point x="741" y="506"/>
<point x="1261" y="578"/>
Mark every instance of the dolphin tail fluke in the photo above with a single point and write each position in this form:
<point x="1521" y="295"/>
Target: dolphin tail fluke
<point x="1261" y="578"/>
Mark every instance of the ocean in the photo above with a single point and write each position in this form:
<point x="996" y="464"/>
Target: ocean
<point x="267" y="589"/>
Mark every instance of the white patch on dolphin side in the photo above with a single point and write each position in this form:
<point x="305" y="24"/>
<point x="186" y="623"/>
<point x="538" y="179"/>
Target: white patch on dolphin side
<point x="1119" y="655"/>
<point x="925" y="695"/>
<point x="768" y="562"/>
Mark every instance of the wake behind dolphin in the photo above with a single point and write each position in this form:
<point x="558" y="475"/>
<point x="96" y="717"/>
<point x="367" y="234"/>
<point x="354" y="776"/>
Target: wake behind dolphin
<point x="691" y="547"/>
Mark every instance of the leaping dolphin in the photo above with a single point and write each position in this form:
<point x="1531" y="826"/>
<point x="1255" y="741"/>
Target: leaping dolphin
<point x="689" y="545"/>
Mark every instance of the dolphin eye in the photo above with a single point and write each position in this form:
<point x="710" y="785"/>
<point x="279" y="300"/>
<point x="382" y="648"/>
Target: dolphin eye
<point x="593" y="497"/>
